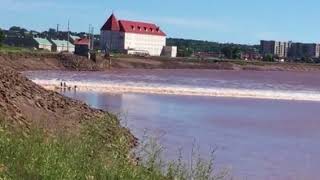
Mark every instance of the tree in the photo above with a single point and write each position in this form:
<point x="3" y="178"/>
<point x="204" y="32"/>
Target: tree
<point x="228" y="52"/>
<point x="1" y="37"/>
<point x="268" y="57"/>
<point x="18" y="29"/>
<point x="231" y="51"/>
<point x="185" y="52"/>
<point x="236" y="53"/>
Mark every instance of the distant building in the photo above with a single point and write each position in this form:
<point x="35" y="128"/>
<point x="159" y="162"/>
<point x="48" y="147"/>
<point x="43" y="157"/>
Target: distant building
<point x="82" y="47"/>
<point x="74" y="38"/>
<point x="62" y="46"/>
<point x="251" y="55"/>
<point x="43" y="44"/>
<point x="290" y="49"/>
<point x="275" y="48"/>
<point x="131" y="37"/>
<point x="169" y="51"/>
<point x="301" y="50"/>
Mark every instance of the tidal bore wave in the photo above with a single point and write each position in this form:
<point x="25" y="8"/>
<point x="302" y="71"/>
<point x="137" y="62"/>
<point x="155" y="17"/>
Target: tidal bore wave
<point x="131" y="87"/>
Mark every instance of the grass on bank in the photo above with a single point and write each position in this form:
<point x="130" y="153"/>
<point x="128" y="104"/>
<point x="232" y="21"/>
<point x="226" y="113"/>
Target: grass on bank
<point x="100" y="151"/>
<point x="13" y="49"/>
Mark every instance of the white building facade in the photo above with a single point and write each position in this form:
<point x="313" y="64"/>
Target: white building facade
<point x="43" y="44"/>
<point x="132" y="37"/>
<point x="62" y="46"/>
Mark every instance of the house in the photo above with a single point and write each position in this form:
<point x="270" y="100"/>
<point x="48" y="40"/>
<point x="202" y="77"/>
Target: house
<point x="62" y="46"/>
<point x="82" y="47"/>
<point x="131" y="37"/>
<point x="42" y="43"/>
<point x="74" y="38"/>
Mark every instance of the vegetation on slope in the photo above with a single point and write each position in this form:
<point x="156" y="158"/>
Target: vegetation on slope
<point x="100" y="151"/>
<point x="12" y="49"/>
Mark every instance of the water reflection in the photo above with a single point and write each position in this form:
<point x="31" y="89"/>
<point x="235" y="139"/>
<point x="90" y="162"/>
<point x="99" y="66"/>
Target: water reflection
<point x="259" y="139"/>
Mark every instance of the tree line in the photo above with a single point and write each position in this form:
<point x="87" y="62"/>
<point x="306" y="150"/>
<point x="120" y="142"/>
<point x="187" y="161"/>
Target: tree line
<point x="187" y="47"/>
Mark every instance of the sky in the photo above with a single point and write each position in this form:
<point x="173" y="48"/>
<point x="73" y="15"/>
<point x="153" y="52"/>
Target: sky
<point x="236" y="21"/>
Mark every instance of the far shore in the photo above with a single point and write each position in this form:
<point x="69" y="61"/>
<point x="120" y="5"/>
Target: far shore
<point x="25" y="61"/>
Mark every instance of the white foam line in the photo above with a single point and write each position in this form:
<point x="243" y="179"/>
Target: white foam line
<point x="218" y="92"/>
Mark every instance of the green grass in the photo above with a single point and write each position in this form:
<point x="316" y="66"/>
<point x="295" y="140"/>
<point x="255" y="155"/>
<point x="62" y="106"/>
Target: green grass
<point x="12" y="49"/>
<point x="101" y="151"/>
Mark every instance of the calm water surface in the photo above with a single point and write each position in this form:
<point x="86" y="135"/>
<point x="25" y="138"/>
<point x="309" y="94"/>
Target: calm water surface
<point x="257" y="139"/>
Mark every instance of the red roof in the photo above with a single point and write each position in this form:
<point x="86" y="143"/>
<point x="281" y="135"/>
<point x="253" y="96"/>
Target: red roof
<point x="132" y="27"/>
<point x="140" y="28"/>
<point x="83" y="41"/>
<point x="112" y="24"/>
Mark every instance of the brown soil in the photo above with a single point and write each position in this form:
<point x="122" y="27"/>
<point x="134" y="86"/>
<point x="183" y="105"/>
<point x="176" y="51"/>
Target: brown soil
<point x="24" y="103"/>
<point x="51" y="61"/>
<point x="183" y="63"/>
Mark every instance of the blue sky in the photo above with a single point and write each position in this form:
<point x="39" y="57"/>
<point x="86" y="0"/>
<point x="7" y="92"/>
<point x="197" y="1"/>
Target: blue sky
<point x="239" y="21"/>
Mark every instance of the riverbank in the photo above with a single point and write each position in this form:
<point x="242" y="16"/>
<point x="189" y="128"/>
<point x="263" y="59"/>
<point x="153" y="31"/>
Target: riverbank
<point x="52" y="61"/>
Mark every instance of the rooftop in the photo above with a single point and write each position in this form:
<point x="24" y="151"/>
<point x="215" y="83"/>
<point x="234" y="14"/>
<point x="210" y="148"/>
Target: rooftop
<point x="43" y="41"/>
<point x="113" y="24"/>
<point x="83" y="41"/>
<point x="62" y="43"/>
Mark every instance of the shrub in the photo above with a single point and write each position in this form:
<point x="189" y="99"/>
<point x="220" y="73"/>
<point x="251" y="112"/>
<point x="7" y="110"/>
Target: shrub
<point x="1" y="37"/>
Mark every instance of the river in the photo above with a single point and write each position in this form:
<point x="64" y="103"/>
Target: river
<point x="264" y="125"/>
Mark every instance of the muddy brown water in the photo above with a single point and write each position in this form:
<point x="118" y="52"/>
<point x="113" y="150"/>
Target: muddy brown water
<point x="255" y="138"/>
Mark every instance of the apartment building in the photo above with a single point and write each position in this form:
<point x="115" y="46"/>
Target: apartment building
<point x="276" y="48"/>
<point x="290" y="49"/>
<point x="300" y="50"/>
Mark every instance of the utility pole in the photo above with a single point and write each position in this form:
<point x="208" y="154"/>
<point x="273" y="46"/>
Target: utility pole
<point x="89" y="36"/>
<point x="68" y="35"/>
<point x="57" y="33"/>
<point x="92" y="38"/>
<point x="58" y="27"/>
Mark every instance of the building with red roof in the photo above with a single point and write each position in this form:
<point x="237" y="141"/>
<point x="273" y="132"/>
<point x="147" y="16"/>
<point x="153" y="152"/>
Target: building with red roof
<point x="82" y="46"/>
<point x="132" y="37"/>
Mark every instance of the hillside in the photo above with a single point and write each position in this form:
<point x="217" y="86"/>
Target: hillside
<point x="188" y="46"/>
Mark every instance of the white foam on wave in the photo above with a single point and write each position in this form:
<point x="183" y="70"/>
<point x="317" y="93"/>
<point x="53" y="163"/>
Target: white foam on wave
<point x="132" y="87"/>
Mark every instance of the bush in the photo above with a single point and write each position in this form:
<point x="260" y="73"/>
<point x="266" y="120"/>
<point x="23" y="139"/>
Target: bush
<point x="100" y="151"/>
<point x="268" y="58"/>
<point x="1" y="37"/>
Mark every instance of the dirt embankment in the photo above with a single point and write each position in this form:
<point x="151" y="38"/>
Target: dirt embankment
<point x="24" y="103"/>
<point x="51" y="61"/>
<point x="184" y="63"/>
